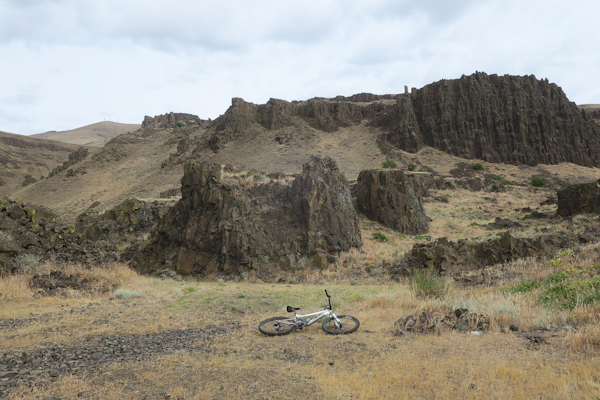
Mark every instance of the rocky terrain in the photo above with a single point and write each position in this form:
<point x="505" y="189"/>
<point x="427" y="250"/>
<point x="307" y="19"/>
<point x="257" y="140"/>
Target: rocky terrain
<point x="485" y="187"/>
<point x="491" y="118"/>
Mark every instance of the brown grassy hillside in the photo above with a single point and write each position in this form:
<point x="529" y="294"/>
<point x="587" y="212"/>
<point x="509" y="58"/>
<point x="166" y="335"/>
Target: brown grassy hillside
<point x="23" y="159"/>
<point x="96" y="135"/>
<point x="138" y="164"/>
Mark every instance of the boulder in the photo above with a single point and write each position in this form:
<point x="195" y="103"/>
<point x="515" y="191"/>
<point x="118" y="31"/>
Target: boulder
<point x="579" y="199"/>
<point x="392" y="198"/>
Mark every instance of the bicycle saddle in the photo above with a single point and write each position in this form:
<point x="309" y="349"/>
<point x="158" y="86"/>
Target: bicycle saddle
<point x="292" y="309"/>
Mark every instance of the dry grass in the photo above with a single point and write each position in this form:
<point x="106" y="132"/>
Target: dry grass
<point x="370" y="363"/>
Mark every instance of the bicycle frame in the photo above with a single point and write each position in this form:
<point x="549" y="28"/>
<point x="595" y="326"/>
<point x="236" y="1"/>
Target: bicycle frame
<point x="298" y="318"/>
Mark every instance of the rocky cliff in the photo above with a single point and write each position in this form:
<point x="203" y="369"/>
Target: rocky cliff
<point x="509" y="119"/>
<point x="326" y="115"/>
<point x="231" y="226"/>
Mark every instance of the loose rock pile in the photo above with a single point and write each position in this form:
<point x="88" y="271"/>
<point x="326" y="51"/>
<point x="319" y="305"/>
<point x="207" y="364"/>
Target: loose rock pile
<point x="29" y="233"/>
<point x="57" y="282"/>
<point x="461" y="320"/>
<point x="51" y="363"/>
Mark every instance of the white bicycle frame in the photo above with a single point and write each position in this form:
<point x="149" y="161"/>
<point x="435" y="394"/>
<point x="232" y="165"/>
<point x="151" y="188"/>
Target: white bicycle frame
<point x="297" y="320"/>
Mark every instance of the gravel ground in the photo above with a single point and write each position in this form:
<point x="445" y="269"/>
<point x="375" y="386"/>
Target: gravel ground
<point x="54" y="362"/>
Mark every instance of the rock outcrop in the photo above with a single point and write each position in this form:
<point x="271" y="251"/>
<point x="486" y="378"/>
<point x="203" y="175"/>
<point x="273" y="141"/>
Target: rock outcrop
<point x="509" y="119"/>
<point x="231" y="228"/>
<point x="74" y="158"/>
<point x="171" y="120"/>
<point x="392" y="198"/>
<point x="326" y="115"/>
<point x="451" y="257"/>
<point x="124" y="224"/>
<point x="579" y="199"/>
<point x="30" y="234"/>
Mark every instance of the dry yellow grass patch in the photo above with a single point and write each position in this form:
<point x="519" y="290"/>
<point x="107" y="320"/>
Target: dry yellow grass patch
<point x="370" y="363"/>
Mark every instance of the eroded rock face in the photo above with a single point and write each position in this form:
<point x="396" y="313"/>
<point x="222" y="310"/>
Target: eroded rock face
<point x="579" y="199"/>
<point x="170" y="120"/>
<point x="392" y="198"/>
<point x="509" y="119"/>
<point x="324" y="206"/>
<point x="220" y="227"/>
<point x="322" y="114"/>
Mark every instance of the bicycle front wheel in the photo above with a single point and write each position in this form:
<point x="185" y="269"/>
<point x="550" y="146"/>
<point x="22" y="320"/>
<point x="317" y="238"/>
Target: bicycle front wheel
<point x="276" y="326"/>
<point x="348" y="324"/>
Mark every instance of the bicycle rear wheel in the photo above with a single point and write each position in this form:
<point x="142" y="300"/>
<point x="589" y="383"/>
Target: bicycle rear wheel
<point x="348" y="325"/>
<point x="276" y="326"/>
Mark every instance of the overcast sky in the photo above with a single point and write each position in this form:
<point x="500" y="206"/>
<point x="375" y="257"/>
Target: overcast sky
<point x="70" y="63"/>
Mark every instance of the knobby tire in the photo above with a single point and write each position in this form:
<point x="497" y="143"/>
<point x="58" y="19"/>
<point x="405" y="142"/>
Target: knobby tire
<point x="351" y="324"/>
<point x="268" y="327"/>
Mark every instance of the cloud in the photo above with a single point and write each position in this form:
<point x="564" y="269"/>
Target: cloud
<point x="68" y="63"/>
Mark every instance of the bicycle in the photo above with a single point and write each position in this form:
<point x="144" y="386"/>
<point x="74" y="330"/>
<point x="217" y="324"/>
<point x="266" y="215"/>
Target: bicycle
<point x="334" y="325"/>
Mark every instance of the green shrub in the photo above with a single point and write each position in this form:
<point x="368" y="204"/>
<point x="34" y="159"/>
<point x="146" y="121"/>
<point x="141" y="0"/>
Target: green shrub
<point x="533" y="162"/>
<point x="497" y="178"/>
<point x="423" y="237"/>
<point x="427" y="284"/>
<point x="411" y="167"/>
<point x="180" y="125"/>
<point x="524" y="287"/>
<point x="383" y="150"/>
<point x="127" y="294"/>
<point x="389" y="164"/>
<point x="567" y="292"/>
<point x="380" y="236"/>
<point x="564" y="290"/>
<point x="478" y="166"/>
<point x="537" y="181"/>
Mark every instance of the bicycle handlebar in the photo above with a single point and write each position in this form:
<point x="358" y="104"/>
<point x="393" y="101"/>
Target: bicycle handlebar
<point x="328" y="298"/>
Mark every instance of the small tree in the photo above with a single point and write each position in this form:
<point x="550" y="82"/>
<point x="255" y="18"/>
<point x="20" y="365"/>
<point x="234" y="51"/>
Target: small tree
<point x="389" y="164"/>
<point x="478" y="166"/>
<point x="538" y="181"/>
<point x="411" y="167"/>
